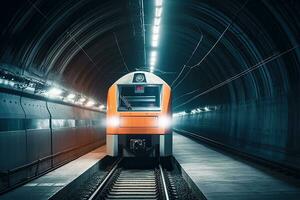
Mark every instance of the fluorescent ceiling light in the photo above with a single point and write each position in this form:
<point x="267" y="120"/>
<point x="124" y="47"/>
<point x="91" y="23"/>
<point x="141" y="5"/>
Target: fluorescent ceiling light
<point x="151" y="69"/>
<point x="90" y="103"/>
<point x="153" y="54"/>
<point x="30" y="89"/>
<point x="153" y="59"/>
<point x="82" y="99"/>
<point x="11" y="83"/>
<point x="54" y="92"/>
<point x="102" y="107"/>
<point x="158" y="11"/>
<point x="155" y="29"/>
<point x="156" y="21"/>
<point x="154" y="43"/>
<point x="158" y="3"/>
<point x="71" y="96"/>
<point x="154" y="37"/>
<point x="152" y="62"/>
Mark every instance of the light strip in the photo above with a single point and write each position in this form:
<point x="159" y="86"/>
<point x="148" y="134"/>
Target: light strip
<point x="155" y="29"/>
<point x="157" y="21"/>
<point x="71" y="96"/>
<point x="155" y="34"/>
<point x="153" y="54"/>
<point x="154" y="37"/>
<point x="158" y="3"/>
<point x="154" y="43"/>
<point x="158" y="12"/>
<point x="46" y="90"/>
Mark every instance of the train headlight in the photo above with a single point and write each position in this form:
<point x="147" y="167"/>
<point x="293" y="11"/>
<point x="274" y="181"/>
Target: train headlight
<point x="164" y="122"/>
<point x="113" y="121"/>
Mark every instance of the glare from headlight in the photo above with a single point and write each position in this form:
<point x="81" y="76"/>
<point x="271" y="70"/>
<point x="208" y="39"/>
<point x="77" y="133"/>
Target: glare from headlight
<point x="113" y="121"/>
<point x="164" y="121"/>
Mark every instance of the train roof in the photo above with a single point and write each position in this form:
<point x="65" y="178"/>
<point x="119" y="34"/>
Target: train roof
<point x="149" y="78"/>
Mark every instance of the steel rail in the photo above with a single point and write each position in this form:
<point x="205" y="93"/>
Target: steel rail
<point x="103" y="183"/>
<point x="164" y="183"/>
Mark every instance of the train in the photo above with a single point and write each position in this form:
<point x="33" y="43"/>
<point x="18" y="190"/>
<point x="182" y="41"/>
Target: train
<point x="139" y="116"/>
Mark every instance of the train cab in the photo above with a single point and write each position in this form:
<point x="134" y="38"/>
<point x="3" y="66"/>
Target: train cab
<point x="139" y="116"/>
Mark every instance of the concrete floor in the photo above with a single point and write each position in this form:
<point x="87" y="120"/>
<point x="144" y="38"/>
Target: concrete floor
<point x="220" y="176"/>
<point x="49" y="184"/>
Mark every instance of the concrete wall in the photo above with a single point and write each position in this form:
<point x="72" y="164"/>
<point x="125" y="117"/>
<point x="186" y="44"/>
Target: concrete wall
<point x="267" y="128"/>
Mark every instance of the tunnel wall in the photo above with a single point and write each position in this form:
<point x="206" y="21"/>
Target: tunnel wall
<point x="266" y="128"/>
<point x="37" y="135"/>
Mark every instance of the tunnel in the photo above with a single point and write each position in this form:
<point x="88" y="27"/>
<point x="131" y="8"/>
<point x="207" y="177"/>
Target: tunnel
<point x="232" y="66"/>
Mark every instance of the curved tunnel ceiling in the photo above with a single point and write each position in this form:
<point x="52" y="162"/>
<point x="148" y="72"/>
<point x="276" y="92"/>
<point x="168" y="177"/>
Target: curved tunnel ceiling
<point x="88" y="44"/>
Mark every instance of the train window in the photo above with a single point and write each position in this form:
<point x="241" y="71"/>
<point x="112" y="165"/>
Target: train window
<point x="37" y="123"/>
<point x="13" y="124"/>
<point x="63" y="123"/>
<point x="80" y="123"/>
<point x="139" y="97"/>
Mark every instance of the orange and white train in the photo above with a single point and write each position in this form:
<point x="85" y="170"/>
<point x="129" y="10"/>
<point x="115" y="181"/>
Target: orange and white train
<point x="139" y="116"/>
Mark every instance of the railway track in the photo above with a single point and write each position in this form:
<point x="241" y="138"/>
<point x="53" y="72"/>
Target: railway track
<point x="122" y="183"/>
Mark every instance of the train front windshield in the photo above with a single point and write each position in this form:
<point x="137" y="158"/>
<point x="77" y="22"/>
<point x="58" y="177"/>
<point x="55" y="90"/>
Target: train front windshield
<point x="139" y="97"/>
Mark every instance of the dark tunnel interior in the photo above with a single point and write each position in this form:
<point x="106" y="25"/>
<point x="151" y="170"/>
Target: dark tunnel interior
<point x="233" y="65"/>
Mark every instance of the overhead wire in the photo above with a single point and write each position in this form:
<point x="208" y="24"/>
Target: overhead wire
<point x="37" y="9"/>
<point x="241" y="74"/>
<point x="121" y="54"/>
<point x="191" y="56"/>
<point x="69" y="34"/>
<point x="213" y="46"/>
<point x="185" y="94"/>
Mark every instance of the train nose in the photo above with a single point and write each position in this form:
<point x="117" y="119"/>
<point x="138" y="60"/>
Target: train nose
<point x="139" y="122"/>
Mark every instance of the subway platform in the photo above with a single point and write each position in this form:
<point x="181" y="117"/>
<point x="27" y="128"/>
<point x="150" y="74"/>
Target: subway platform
<point x="48" y="185"/>
<point x="220" y="176"/>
